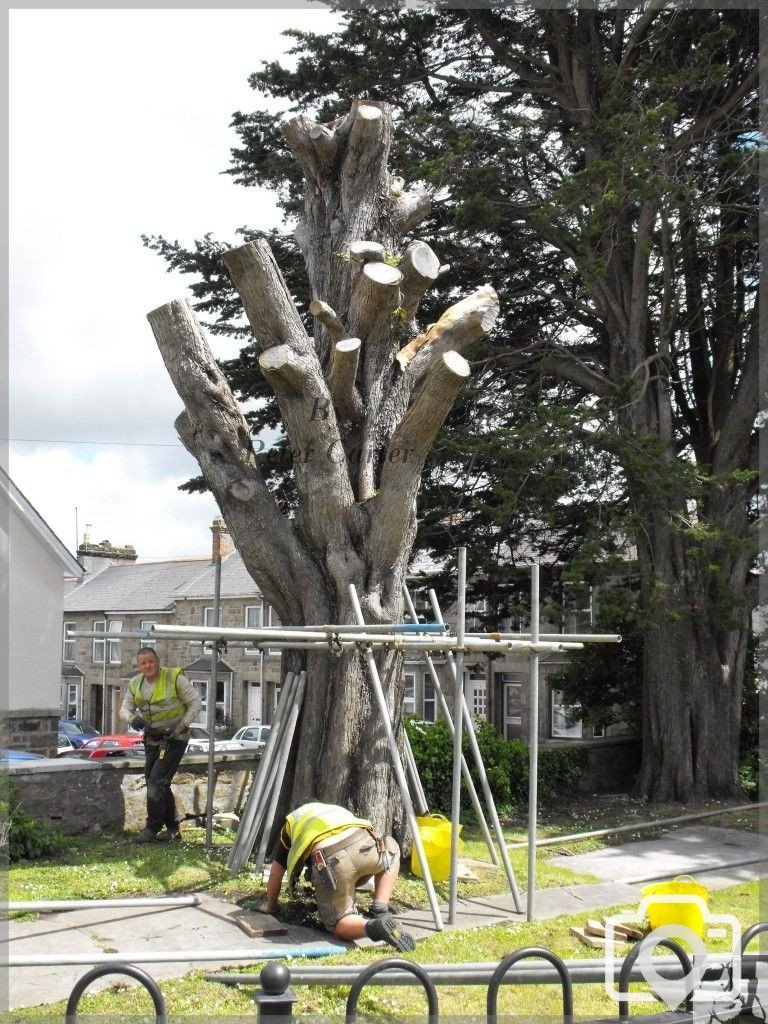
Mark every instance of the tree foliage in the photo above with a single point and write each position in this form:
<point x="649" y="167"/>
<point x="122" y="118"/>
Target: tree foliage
<point x="599" y="165"/>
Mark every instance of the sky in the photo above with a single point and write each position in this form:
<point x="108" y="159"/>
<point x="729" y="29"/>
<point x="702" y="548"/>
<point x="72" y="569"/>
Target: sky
<point x="118" y="127"/>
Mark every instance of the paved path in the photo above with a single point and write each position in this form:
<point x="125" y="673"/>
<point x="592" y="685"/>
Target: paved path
<point x="229" y="936"/>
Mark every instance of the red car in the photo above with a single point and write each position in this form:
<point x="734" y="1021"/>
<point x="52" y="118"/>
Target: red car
<point x="122" y="745"/>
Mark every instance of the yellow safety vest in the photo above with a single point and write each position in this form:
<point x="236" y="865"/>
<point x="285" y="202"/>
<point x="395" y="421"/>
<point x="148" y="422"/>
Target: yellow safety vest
<point x="311" y="822"/>
<point x="163" y="706"/>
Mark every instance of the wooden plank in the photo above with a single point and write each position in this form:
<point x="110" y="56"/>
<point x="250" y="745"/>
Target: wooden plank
<point x="593" y="941"/>
<point x="631" y="931"/>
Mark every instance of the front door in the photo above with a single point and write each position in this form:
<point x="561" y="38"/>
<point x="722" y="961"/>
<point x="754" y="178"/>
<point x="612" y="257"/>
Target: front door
<point x="476" y="690"/>
<point x="254" y="703"/>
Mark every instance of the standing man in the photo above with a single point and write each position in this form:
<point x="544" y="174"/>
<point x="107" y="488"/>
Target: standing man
<point x="342" y="851"/>
<point x="163" y="703"/>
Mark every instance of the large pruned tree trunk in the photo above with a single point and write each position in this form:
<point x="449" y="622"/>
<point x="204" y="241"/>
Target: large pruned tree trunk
<point x="361" y="403"/>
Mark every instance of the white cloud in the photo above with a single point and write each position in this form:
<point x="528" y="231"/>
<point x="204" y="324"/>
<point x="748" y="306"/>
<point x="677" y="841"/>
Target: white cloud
<point x="119" y="125"/>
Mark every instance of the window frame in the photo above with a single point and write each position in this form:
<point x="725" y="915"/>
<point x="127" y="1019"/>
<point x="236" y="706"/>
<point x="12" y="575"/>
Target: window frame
<point x="67" y="643"/>
<point x="99" y="626"/>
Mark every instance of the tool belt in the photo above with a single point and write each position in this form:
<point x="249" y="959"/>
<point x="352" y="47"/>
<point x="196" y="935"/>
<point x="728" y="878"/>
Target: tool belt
<point x="349" y="840"/>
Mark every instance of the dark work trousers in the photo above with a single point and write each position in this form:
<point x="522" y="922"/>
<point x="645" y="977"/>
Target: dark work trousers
<point x="159" y="773"/>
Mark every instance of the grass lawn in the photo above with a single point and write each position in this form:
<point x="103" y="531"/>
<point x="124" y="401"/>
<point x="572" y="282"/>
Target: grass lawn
<point x="111" y="865"/>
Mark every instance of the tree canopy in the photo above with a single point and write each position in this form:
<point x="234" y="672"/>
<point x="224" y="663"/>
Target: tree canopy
<point x="599" y="165"/>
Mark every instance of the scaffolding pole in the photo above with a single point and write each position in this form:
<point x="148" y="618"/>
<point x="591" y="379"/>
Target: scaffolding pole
<point x="533" y="745"/>
<point x="397" y="764"/>
<point x="245" y="838"/>
<point x="468" y="780"/>
<point x="458" y="696"/>
<point x="486" y="786"/>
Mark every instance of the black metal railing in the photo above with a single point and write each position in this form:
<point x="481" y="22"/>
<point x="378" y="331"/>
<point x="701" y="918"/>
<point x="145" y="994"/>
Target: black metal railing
<point x="275" y="999"/>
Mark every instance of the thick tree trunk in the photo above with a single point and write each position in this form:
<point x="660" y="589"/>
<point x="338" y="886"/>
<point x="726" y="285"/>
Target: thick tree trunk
<point x="691" y="697"/>
<point x="360" y="424"/>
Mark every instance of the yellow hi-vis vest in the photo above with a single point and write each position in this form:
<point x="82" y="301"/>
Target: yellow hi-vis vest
<point x="311" y="822"/>
<point x="163" y="708"/>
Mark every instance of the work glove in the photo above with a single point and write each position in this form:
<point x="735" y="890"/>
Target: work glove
<point x="177" y="732"/>
<point x="137" y="723"/>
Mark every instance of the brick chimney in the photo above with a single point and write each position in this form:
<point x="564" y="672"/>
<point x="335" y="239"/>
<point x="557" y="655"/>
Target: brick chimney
<point x="222" y="542"/>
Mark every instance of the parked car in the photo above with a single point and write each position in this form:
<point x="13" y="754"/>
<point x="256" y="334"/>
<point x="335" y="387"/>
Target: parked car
<point x="253" y="737"/>
<point x="7" y="756"/>
<point x="120" y="745"/>
<point x="200" y="741"/>
<point x="64" y="744"/>
<point x="77" y="730"/>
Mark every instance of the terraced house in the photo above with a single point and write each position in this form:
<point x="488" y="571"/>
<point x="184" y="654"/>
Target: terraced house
<point x="121" y="595"/>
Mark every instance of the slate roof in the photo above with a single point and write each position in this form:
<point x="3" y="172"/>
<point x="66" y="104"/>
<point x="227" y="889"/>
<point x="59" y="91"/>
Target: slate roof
<point x="235" y="580"/>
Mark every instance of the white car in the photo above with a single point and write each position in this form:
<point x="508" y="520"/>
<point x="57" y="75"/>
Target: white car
<point x="199" y="742"/>
<point x="252" y="737"/>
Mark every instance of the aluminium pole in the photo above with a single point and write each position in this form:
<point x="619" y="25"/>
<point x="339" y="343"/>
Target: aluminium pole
<point x="486" y="786"/>
<point x="277" y="786"/>
<point x="458" y="697"/>
<point x="210" y="705"/>
<point x="533" y="744"/>
<point x="263" y="785"/>
<point x="397" y="765"/>
<point x="237" y="857"/>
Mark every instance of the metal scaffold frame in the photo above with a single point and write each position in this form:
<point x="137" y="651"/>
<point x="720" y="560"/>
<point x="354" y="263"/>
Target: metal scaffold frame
<point x="427" y="638"/>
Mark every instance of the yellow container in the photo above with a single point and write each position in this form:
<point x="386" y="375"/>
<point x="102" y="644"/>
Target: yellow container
<point x="684" y="910"/>
<point x="435" y="832"/>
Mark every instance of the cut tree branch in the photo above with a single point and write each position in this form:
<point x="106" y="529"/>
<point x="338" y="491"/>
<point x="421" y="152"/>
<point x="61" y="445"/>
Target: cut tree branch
<point x="394" y="508"/>
<point x="341" y="379"/>
<point x="420" y="268"/>
<point x="328" y="318"/>
<point x="310" y="423"/>
<point x="375" y="297"/>
<point x="268" y="305"/>
<point x="216" y="433"/>
<point x="459" y="327"/>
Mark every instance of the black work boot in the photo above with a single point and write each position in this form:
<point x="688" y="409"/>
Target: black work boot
<point x="386" y="929"/>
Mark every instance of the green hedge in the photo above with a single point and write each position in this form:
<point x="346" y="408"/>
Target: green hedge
<point x="506" y="765"/>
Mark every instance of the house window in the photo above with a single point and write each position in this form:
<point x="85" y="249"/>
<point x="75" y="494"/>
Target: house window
<point x="221" y="700"/>
<point x="73" y="700"/>
<point x="113" y="646"/>
<point x="409" y="695"/>
<point x="429" y="712"/>
<point x="254" y="615"/>
<point x="209" y="619"/>
<point x="272" y="621"/>
<point x="68" y="651"/>
<point x="513" y="704"/>
<point x="566" y="718"/>
<point x="148" y="624"/>
<point x="99" y="626"/>
<point x="577" y="607"/>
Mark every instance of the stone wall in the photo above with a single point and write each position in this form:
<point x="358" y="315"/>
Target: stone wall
<point x="31" y="729"/>
<point x="85" y="796"/>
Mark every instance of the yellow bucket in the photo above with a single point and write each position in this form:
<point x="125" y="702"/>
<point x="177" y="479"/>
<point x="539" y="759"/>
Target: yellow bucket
<point x="435" y="832"/>
<point x="685" y="912"/>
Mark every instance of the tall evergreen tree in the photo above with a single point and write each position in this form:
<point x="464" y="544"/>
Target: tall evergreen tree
<point x="600" y="166"/>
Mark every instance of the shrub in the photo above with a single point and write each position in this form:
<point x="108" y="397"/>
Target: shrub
<point x="505" y="762"/>
<point x="28" y="839"/>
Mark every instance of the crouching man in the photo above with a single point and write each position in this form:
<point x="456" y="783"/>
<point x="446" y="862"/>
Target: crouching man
<point x="342" y="851"/>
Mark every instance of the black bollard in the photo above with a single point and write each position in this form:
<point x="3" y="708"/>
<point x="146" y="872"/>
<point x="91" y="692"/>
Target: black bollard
<point x="275" y="999"/>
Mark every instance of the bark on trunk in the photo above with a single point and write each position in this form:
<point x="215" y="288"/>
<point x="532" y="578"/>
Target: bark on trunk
<point x="360" y="425"/>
